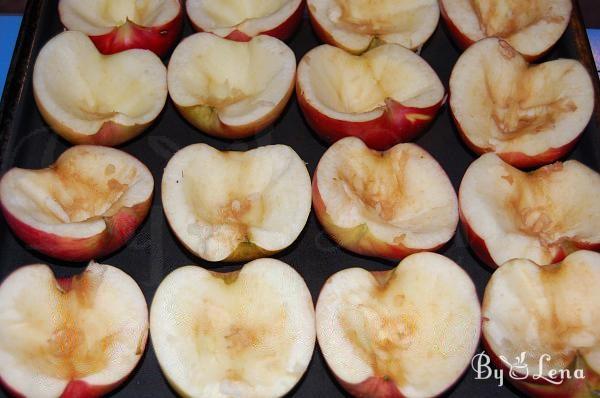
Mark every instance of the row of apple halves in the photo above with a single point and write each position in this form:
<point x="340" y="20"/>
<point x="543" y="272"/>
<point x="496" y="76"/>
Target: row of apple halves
<point x="530" y="115"/>
<point x="239" y="206"/>
<point x="410" y="331"/>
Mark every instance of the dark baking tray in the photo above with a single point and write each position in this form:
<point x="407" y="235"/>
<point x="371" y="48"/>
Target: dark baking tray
<point x="25" y="141"/>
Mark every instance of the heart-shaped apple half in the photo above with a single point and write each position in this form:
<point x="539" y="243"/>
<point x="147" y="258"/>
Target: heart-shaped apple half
<point x="530" y="115"/>
<point x="86" y="205"/>
<point x="532" y="27"/>
<point x="116" y="26"/>
<point x="388" y="204"/>
<point x="70" y="337"/>
<point x="90" y="98"/>
<point x="542" y="215"/>
<point x="384" y="96"/>
<point x="540" y="324"/>
<point x="231" y="89"/>
<point x="357" y="25"/>
<point x="234" y="206"/>
<point x="248" y="333"/>
<point x="408" y="332"/>
<point x="242" y="20"/>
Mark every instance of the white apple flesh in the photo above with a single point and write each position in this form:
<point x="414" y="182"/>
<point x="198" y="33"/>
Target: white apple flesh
<point x="542" y="215"/>
<point x="82" y="105"/>
<point x="230" y="89"/>
<point x="86" y="205"/>
<point x="384" y="204"/>
<point x="384" y="96"/>
<point x="73" y="337"/>
<point x="249" y="333"/>
<point x="409" y="332"/>
<point x="532" y="27"/>
<point x="530" y="115"/>
<point x="236" y="206"/>
<point x="357" y="25"/>
<point x="243" y="20"/>
<point x="543" y="320"/>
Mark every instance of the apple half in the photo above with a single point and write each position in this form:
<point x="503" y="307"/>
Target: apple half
<point x="529" y="114"/>
<point x="532" y="27"/>
<point x="116" y="26"/>
<point x="542" y="215"/>
<point x="242" y="20"/>
<point x="358" y="25"/>
<point x="409" y="332"/>
<point x="540" y="322"/>
<point x="384" y="96"/>
<point x="86" y="205"/>
<point x="384" y="204"/>
<point x="231" y="89"/>
<point x="90" y="98"/>
<point x="236" y="206"/>
<point x="248" y="333"/>
<point x="70" y="337"/>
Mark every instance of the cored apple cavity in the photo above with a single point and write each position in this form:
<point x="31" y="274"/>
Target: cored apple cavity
<point x="252" y="331"/>
<point x="503" y="104"/>
<point x="96" y="18"/>
<point x="359" y="88"/>
<point x="402" y="196"/>
<point x="219" y="202"/>
<point x="76" y="98"/>
<point x="541" y="215"/>
<point x="415" y="326"/>
<point x="92" y="327"/>
<point x="356" y="25"/>
<point x="251" y="18"/>
<point x="241" y="83"/>
<point x="551" y="313"/>
<point x="74" y="197"/>
<point x="532" y="27"/>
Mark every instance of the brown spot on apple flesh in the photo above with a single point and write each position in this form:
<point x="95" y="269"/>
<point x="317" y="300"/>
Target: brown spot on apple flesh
<point x="525" y="103"/>
<point x="381" y="329"/>
<point x="533" y="207"/>
<point x="238" y="327"/>
<point x="79" y="187"/>
<point x="503" y="18"/>
<point x="377" y="181"/>
<point x="71" y="351"/>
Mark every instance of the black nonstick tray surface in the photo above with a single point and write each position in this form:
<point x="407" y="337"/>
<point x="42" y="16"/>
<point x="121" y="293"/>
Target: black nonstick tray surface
<point x="26" y="141"/>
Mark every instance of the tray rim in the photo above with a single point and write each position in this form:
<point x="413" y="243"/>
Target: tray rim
<point x="23" y="60"/>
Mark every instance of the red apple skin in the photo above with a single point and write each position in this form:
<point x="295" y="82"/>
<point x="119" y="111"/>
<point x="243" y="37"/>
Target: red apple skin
<point x="119" y="229"/>
<point x="158" y="39"/>
<point x="569" y="388"/>
<point x="519" y="159"/>
<point x="398" y="123"/>
<point x="283" y="31"/>
<point x="359" y="239"/>
<point x="462" y="41"/>
<point x="373" y="387"/>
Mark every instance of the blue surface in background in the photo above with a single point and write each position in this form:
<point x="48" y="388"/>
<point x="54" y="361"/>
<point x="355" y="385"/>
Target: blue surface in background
<point x="9" y="29"/>
<point x="594" y="36"/>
